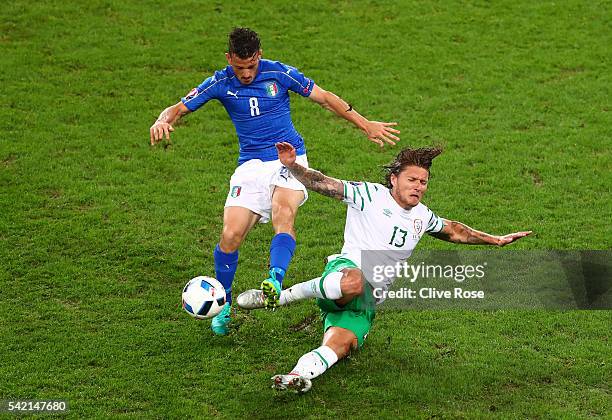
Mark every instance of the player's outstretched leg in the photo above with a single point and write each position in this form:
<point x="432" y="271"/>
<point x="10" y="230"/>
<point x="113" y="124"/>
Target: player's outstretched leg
<point x="308" y="367"/>
<point x="315" y="288"/>
<point x="328" y="287"/>
<point x="349" y="313"/>
<point x="337" y="342"/>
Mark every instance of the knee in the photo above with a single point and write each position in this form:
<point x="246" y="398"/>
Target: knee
<point x="283" y="220"/>
<point x="352" y="283"/>
<point x="346" y="346"/>
<point x="231" y="239"/>
<point x="283" y="213"/>
<point x="340" y="340"/>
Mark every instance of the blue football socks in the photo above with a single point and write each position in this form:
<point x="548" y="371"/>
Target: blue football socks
<point x="281" y="252"/>
<point x="225" y="269"/>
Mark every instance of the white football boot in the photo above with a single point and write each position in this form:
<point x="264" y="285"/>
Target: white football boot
<point x="292" y="382"/>
<point x="251" y="299"/>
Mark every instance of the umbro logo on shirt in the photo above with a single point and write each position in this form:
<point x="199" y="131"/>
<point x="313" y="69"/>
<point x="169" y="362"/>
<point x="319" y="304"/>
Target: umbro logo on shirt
<point x="387" y="212"/>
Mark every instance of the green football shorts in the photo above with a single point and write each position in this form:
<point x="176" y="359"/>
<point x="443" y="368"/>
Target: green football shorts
<point x="357" y="316"/>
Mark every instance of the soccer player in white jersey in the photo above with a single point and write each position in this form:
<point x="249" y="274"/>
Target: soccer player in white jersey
<point x="389" y="219"/>
<point x="255" y="93"/>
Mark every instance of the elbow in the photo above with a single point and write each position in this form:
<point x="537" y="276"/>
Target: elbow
<point x="323" y="98"/>
<point x="326" y="105"/>
<point x="457" y="232"/>
<point x="324" y="101"/>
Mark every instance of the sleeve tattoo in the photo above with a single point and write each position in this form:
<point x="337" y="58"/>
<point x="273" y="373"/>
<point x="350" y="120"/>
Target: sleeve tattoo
<point x="316" y="181"/>
<point x="459" y="233"/>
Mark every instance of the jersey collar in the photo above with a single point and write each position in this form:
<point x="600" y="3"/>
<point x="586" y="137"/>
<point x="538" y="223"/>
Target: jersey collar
<point x="399" y="208"/>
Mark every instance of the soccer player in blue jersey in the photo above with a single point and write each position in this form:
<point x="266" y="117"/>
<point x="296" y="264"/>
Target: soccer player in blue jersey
<point x="255" y="93"/>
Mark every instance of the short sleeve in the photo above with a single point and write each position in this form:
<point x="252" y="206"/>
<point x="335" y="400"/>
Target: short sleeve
<point x="435" y="224"/>
<point x="295" y="81"/>
<point x="358" y="195"/>
<point x="198" y="96"/>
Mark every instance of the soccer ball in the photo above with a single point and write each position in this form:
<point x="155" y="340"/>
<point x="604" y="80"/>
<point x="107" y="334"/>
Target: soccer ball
<point x="203" y="297"/>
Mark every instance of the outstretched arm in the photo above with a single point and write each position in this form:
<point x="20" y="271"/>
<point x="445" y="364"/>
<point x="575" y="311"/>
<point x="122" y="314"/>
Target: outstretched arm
<point x="313" y="180"/>
<point x="459" y="233"/>
<point x="163" y="126"/>
<point x="376" y="131"/>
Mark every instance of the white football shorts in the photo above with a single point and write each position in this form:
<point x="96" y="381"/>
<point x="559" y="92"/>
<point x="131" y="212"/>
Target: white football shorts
<point x="253" y="182"/>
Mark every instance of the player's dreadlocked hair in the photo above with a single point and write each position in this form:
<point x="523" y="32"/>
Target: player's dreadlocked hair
<point x="243" y="42"/>
<point x="411" y="157"/>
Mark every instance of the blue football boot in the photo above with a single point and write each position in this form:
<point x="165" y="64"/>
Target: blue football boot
<point x="271" y="288"/>
<point x="220" y="323"/>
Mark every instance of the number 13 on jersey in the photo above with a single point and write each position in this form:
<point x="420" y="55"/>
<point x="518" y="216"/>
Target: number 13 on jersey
<point x="399" y="236"/>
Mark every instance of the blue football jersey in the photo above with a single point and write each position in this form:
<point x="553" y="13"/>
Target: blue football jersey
<point x="260" y="110"/>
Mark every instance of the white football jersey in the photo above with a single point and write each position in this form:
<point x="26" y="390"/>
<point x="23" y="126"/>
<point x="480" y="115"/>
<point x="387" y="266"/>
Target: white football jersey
<point x="378" y="232"/>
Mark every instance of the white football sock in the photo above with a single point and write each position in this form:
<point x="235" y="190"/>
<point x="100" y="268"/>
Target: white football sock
<point x="329" y="288"/>
<point x="314" y="363"/>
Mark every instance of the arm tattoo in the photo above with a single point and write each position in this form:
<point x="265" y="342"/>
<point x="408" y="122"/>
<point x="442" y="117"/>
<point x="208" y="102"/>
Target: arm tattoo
<point x="473" y="237"/>
<point x="316" y="181"/>
<point x="442" y="235"/>
<point x="460" y="233"/>
<point x="467" y="235"/>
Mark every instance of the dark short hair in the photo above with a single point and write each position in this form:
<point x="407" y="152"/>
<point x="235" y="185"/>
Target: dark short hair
<point x="243" y="42"/>
<point x="411" y="157"/>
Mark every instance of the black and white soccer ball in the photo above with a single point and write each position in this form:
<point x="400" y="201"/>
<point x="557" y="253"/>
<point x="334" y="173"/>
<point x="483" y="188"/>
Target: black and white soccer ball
<point x="203" y="297"/>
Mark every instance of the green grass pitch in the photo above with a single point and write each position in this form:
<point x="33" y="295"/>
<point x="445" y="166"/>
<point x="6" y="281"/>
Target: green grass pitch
<point x="99" y="231"/>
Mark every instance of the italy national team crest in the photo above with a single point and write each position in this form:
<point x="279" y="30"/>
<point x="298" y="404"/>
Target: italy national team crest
<point x="418" y="225"/>
<point x="272" y="89"/>
<point x="236" y="191"/>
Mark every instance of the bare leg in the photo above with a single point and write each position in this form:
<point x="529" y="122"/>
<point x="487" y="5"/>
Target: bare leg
<point x="285" y="204"/>
<point x="237" y="222"/>
<point x="340" y="340"/>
